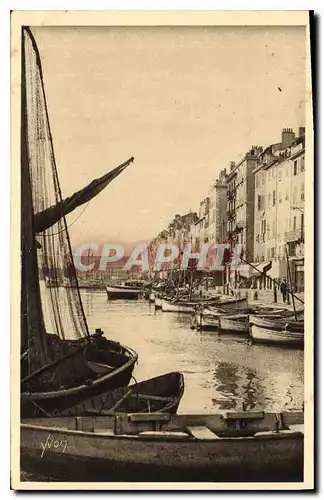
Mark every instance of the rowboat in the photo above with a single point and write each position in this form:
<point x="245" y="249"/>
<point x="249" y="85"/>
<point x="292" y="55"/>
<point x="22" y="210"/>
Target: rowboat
<point x="162" y="394"/>
<point x="228" y="304"/>
<point x="92" y="367"/>
<point x="234" y="323"/>
<point x="179" y="307"/>
<point x="234" y="446"/>
<point x="204" y="321"/>
<point x="115" y="292"/>
<point x="289" y="334"/>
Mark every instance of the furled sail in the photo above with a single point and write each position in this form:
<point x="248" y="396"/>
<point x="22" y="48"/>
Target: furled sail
<point x="50" y="216"/>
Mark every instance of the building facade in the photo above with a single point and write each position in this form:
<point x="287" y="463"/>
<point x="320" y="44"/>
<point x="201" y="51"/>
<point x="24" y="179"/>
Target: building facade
<point x="279" y="209"/>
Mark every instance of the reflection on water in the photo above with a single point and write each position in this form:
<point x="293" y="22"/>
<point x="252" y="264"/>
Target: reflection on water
<point x="221" y="371"/>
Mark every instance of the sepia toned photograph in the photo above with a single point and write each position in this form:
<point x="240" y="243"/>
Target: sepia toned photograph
<point x="162" y="242"/>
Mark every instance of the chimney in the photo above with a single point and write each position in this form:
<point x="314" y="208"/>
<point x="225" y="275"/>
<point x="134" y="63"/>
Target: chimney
<point x="301" y="131"/>
<point x="287" y="136"/>
<point x="232" y="165"/>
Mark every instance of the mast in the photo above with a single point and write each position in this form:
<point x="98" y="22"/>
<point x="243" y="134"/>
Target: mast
<point x="290" y="283"/>
<point x="33" y="333"/>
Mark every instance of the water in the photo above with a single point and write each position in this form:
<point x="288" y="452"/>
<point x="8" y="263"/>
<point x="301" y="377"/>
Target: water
<point x="220" y="371"/>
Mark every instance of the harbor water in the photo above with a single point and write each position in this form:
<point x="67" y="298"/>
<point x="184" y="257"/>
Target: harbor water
<point x="221" y="371"/>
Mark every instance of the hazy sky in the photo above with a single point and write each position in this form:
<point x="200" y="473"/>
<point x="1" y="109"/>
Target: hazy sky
<point x="183" y="101"/>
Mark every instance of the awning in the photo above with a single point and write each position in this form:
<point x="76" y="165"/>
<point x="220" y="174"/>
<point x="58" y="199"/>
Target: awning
<point x="259" y="268"/>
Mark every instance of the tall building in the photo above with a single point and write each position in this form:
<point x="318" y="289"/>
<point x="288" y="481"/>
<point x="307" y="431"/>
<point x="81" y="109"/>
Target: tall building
<point x="240" y="201"/>
<point x="218" y="209"/>
<point x="279" y="209"/>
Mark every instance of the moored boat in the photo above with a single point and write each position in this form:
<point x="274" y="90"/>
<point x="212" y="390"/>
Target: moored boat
<point x="279" y="333"/>
<point x="235" y="446"/>
<point x="178" y="307"/>
<point x="88" y="369"/>
<point x="162" y="394"/>
<point x="120" y="292"/>
<point x="234" y="323"/>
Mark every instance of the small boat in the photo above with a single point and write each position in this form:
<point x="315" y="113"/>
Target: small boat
<point x="234" y="323"/>
<point x="120" y="292"/>
<point x="176" y="306"/>
<point x="205" y="320"/>
<point x="162" y="394"/>
<point x="91" y="367"/>
<point x="234" y="446"/>
<point x="290" y="333"/>
<point x="277" y="322"/>
<point x="228" y="304"/>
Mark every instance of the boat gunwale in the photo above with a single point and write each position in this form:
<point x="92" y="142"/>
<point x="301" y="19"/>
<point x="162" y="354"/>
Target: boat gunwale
<point x="75" y="390"/>
<point x="270" y="435"/>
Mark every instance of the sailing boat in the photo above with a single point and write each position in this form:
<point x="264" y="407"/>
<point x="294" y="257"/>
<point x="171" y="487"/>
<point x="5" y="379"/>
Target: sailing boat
<point x="61" y="363"/>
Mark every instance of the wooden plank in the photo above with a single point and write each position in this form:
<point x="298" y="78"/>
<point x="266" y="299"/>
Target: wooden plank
<point x="243" y="415"/>
<point x="152" y="398"/>
<point x="149" y="417"/>
<point x="202" y="432"/>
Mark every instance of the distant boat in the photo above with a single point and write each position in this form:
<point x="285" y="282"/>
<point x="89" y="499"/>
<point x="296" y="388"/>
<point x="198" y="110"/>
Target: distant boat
<point x="122" y="292"/>
<point x="162" y="393"/>
<point x="233" y="446"/>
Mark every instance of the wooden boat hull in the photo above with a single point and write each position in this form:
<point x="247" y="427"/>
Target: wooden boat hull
<point x="120" y="293"/>
<point x="162" y="393"/>
<point x="227" y="323"/>
<point x="176" y="307"/>
<point x="86" y="449"/>
<point x="120" y="359"/>
<point x="206" y="322"/>
<point x="263" y="335"/>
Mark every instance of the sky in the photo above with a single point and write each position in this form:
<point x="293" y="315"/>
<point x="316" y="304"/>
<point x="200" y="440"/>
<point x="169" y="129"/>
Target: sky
<point x="184" y="101"/>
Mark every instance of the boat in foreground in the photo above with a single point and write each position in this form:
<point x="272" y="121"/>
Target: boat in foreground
<point x="234" y="447"/>
<point x="89" y="368"/>
<point x="162" y="393"/>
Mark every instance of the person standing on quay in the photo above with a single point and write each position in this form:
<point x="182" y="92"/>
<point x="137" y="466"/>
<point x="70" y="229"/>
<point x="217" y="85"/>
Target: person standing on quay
<point x="283" y="289"/>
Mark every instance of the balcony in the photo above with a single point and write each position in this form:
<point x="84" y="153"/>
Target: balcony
<point x="294" y="235"/>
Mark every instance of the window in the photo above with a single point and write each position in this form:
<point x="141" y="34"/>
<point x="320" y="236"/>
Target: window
<point x="273" y="198"/>
<point x="302" y="222"/>
<point x="287" y="195"/>
<point x="302" y="164"/>
<point x="295" y="196"/>
<point x="280" y="196"/>
<point x="269" y="199"/>
<point x="279" y="174"/>
<point x="295" y="222"/>
<point x="295" y="167"/>
<point x="272" y="252"/>
<point x="263" y="178"/>
<point x="302" y="192"/>
<point x="257" y="181"/>
<point x="260" y="202"/>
